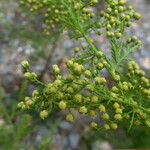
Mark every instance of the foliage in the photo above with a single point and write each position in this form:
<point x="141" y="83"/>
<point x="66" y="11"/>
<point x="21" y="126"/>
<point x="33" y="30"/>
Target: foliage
<point x="84" y="88"/>
<point x="17" y="129"/>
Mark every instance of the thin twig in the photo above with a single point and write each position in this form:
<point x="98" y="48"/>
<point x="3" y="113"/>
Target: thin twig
<point x="48" y="60"/>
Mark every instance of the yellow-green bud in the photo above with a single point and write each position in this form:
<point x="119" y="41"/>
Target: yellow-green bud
<point x="30" y="76"/>
<point x="20" y="104"/>
<point x="118" y="117"/>
<point x="25" y="64"/>
<point x="119" y="111"/>
<point x="102" y="108"/>
<point x="99" y="54"/>
<point x="56" y="69"/>
<point x="100" y="66"/>
<point x="90" y="87"/>
<point x="92" y="113"/>
<point x="100" y="80"/>
<point x="70" y="117"/>
<point x="116" y="77"/>
<point x="44" y="114"/>
<point x="88" y="73"/>
<point x="70" y="63"/>
<point x="114" y="126"/>
<point x="116" y="105"/>
<point x="122" y="2"/>
<point x="78" y="98"/>
<point x="105" y="116"/>
<point x="114" y="89"/>
<point x="83" y="110"/>
<point x="62" y="105"/>
<point x="106" y="127"/>
<point x="94" y="99"/>
<point x="93" y="125"/>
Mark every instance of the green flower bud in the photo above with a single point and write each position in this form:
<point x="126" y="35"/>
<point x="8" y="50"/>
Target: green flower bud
<point x="70" y="90"/>
<point x="25" y="64"/>
<point x="116" y="77"/>
<point x="62" y="105"/>
<point x="119" y="111"/>
<point x="108" y="27"/>
<point x="44" y="114"/>
<point x="70" y="117"/>
<point x="78" y="69"/>
<point x="93" y="125"/>
<point x="88" y="73"/>
<point x="29" y="102"/>
<point x="118" y="117"/>
<point x="83" y="110"/>
<point x="122" y="2"/>
<point x="57" y="83"/>
<point x="113" y="126"/>
<point x="94" y="99"/>
<point x="118" y="35"/>
<point x="102" y="108"/>
<point x="35" y="93"/>
<point x="137" y="16"/>
<point x="30" y="76"/>
<point x="92" y="113"/>
<point x="76" y="50"/>
<point x="100" y="80"/>
<point x="116" y="105"/>
<point x="50" y="89"/>
<point x="94" y="1"/>
<point x="106" y="127"/>
<point x="56" y="70"/>
<point x="99" y="54"/>
<point x="105" y="116"/>
<point x="20" y="104"/>
<point x="70" y="63"/>
<point x="99" y="66"/>
<point x="114" y="89"/>
<point x="78" y="98"/>
<point x="90" y="87"/>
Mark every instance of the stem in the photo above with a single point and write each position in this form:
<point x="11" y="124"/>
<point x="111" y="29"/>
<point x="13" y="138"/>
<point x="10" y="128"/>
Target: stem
<point x="8" y="118"/>
<point x="47" y="61"/>
<point x="88" y="39"/>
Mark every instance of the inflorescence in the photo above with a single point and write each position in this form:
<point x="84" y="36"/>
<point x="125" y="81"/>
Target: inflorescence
<point x="84" y="88"/>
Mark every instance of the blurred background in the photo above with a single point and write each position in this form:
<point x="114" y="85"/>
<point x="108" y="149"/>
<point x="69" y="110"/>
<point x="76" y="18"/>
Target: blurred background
<point x="22" y="38"/>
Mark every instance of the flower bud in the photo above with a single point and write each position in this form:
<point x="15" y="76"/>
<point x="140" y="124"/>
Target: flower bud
<point x="100" y="80"/>
<point x="94" y="99"/>
<point x="113" y="126"/>
<point x="118" y="117"/>
<point x="30" y="76"/>
<point x="88" y="73"/>
<point x="44" y="114"/>
<point x="92" y="113"/>
<point x="83" y="110"/>
<point x="106" y="127"/>
<point x="25" y="64"/>
<point x="62" y="105"/>
<point x="105" y="116"/>
<point x="78" y="98"/>
<point x="102" y="108"/>
<point x="93" y="125"/>
<point x="56" y="70"/>
<point x="116" y="105"/>
<point x="70" y="117"/>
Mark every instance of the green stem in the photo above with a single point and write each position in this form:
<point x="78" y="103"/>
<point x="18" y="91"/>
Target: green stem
<point x="8" y="118"/>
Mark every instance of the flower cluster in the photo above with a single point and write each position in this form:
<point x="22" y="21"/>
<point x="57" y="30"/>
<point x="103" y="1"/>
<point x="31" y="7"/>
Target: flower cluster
<point x="87" y="92"/>
<point x="84" y="88"/>
<point x="57" y="13"/>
